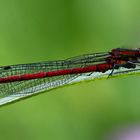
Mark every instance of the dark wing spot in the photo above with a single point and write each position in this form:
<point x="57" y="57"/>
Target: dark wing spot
<point x="7" y="67"/>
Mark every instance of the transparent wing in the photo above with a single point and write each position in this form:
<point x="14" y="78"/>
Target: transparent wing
<point x="12" y="91"/>
<point x="74" y="62"/>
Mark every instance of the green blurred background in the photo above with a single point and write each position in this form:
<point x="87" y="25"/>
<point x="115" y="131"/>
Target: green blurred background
<point x="32" y="31"/>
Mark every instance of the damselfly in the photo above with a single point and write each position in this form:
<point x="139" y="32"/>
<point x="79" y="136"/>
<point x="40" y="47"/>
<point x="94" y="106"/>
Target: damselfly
<point x="23" y="80"/>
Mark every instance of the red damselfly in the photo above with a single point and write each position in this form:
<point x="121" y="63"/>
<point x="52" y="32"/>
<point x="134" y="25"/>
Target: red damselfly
<point x="23" y="80"/>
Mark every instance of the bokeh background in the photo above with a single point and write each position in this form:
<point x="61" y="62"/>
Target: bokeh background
<point x="40" y="30"/>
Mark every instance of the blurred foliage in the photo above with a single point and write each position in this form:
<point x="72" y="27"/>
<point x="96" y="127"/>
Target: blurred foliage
<point x="33" y="31"/>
